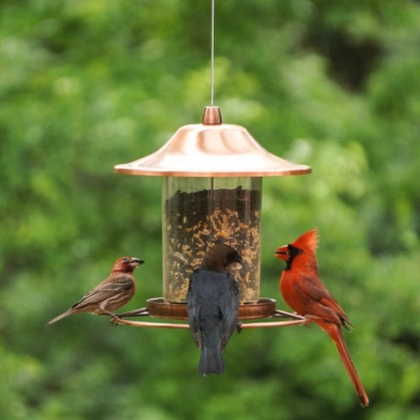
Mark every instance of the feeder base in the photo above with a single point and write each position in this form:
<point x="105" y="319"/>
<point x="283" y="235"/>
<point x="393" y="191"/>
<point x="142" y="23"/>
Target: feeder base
<point x="159" y="308"/>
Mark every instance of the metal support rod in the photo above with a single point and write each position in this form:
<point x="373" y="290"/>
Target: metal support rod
<point x="134" y="312"/>
<point x="283" y="314"/>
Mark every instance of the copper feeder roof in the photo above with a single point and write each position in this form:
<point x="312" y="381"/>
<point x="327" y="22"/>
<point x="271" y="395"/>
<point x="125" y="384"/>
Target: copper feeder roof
<point x="212" y="149"/>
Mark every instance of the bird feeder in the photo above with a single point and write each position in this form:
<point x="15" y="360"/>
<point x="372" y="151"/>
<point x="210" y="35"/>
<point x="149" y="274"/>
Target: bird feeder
<point x="212" y="180"/>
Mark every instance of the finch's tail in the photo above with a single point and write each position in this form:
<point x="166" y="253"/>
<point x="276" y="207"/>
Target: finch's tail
<point x="61" y="316"/>
<point x="211" y="361"/>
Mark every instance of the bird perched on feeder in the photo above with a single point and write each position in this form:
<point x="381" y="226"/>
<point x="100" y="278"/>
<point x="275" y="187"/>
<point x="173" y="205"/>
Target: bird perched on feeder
<point x="111" y="294"/>
<point x="213" y="305"/>
<point x="304" y="292"/>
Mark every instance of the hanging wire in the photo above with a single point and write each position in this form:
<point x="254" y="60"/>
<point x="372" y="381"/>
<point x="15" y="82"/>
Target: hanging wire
<point x="212" y="55"/>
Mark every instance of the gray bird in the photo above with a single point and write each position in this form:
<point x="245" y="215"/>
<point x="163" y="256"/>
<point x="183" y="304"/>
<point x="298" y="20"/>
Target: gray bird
<point x="213" y="305"/>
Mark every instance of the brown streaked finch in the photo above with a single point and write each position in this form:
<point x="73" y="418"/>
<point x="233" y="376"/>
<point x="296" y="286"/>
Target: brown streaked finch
<point x="109" y="295"/>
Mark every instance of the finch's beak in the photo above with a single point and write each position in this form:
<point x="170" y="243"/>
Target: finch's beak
<point x="282" y="252"/>
<point x="135" y="262"/>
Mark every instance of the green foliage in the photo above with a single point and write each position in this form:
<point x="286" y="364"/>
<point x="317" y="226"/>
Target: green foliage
<point x="89" y="84"/>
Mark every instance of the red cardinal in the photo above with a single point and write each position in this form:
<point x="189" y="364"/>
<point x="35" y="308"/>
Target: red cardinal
<point x="109" y="295"/>
<point x="304" y="292"/>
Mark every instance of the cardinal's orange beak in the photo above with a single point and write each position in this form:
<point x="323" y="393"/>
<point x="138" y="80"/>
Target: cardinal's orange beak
<point x="282" y="252"/>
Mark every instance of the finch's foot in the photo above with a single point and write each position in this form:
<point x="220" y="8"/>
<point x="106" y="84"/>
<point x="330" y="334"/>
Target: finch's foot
<point x="239" y="327"/>
<point x="113" y="319"/>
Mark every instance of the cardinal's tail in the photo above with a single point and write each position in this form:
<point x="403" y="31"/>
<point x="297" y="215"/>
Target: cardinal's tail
<point x="351" y="370"/>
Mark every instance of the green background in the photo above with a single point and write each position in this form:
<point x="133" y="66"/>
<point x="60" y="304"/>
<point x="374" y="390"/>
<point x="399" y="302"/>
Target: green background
<point x="87" y="84"/>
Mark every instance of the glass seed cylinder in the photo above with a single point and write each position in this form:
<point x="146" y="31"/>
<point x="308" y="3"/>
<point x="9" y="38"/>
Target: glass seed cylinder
<point x="197" y="213"/>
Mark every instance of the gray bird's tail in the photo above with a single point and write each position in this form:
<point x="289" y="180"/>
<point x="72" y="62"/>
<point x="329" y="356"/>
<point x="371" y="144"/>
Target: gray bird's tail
<point x="211" y="360"/>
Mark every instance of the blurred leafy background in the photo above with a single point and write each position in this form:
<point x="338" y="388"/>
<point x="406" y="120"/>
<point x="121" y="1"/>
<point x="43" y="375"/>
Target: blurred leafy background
<point x="87" y="84"/>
